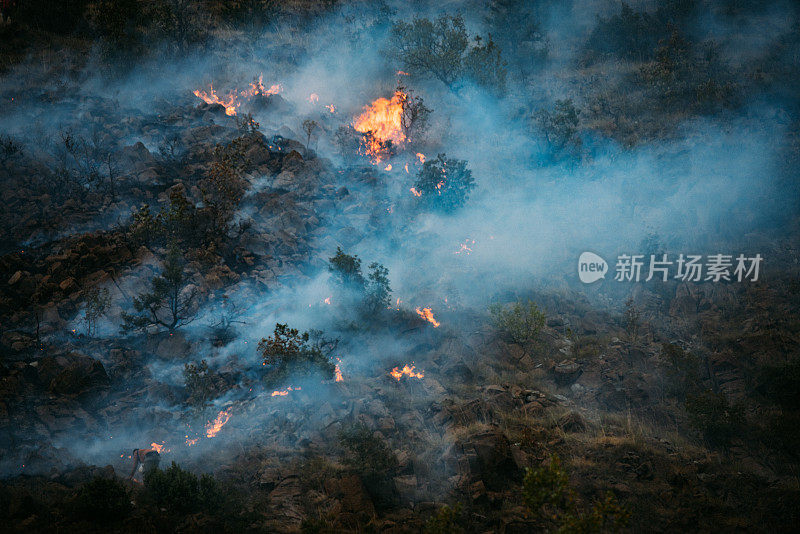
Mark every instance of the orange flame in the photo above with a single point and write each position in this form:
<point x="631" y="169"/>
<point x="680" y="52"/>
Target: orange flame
<point x="213" y="427"/>
<point x="408" y="371"/>
<point x="421" y="157"/>
<point x="231" y="102"/>
<point x="313" y="98"/>
<point x="284" y="392"/>
<point x="383" y="118"/>
<point x="415" y="192"/>
<point x="331" y="108"/>
<point x="327" y="300"/>
<point x="191" y="441"/>
<point x="158" y="447"/>
<point x="427" y="314"/>
<point x="339" y="377"/>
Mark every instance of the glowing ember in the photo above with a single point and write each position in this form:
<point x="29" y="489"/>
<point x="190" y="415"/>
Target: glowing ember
<point x="233" y="100"/>
<point x="415" y="192"/>
<point x="327" y="300"/>
<point x="406" y="167"/>
<point x="191" y="441"/>
<point x="408" y="371"/>
<point x="402" y="73"/>
<point x="213" y="427"/>
<point x="284" y="392"/>
<point x="427" y="314"/>
<point x="421" y="157"/>
<point x="465" y="248"/>
<point x="158" y="447"/>
<point x="383" y="119"/>
<point x="388" y="167"/>
<point x="313" y="98"/>
<point x="331" y="108"/>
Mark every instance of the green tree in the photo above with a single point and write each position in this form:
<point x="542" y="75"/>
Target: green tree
<point x="97" y="301"/>
<point x="200" y="383"/>
<point x="560" y="126"/>
<point x="444" y="184"/>
<point x="288" y="352"/>
<point x="484" y="64"/>
<point x="372" y="459"/>
<point x="516" y="27"/>
<point x="431" y="48"/>
<point x="167" y="303"/>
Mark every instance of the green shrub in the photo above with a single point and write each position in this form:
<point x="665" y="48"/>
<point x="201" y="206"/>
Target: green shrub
<point x="370" y="294"/>
<point x="560" y="126"/>
<point x="182" y="492"/>
<point x="717" y="419"/>
<point x="200" y="383"/>
<point x="444" y="521"/>
<point x="372" y="459"/>
<point x="520" y="322"/>
<point x="102" y="500"/>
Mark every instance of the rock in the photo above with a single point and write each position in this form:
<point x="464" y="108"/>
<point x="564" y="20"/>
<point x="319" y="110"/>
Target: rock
<point x="15" y="278"/>
<point x="572" y="422"/>
<point x="491" y="460"/>
<point x="566" y="372"/>
<point x="75" y="374"/>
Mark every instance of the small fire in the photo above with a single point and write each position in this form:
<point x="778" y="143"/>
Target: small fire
<point x="427" y="314"/>
<point x="421" y="157"/>
<point x="313" y="98"/>
<point x="415" y="192"/>
<point x="213" y="427"/>
<point x="383" y="119"/>
<point x="191" y="441"/>
<point x="402" y="73"/>
<point x="232" y="101"/>
<point x="408" y="371"/>
<point x="406" y="168"/>
<point x="158" y="447"/>
<point x="388" y="167"/>
<point x="284" y="392"/>
<point x="331" y="108"/>
<point x="327" y="300"/>
<point x="464" y="248"/>
<point x="338" y="372"/>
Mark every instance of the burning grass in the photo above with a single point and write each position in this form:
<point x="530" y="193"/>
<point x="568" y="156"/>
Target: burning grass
<point x="234" y="99"/>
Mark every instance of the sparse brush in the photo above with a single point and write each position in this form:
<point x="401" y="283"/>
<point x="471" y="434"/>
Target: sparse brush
<point x="521" y="322"/>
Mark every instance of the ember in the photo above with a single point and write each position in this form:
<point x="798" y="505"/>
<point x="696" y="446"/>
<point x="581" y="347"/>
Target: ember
<point x="415" y="192"/>
<point x="233" y="100"/>
<point x="427" y="314"/>
<point x="158" y="447"/>
<point x="408" y="371"/>
<point x="213" y="427"/>
<point x="338" y="373"/>
<point x="465" y="248"/>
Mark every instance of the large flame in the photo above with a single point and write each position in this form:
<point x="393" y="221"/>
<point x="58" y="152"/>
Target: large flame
<point x="213" y="427"/>
<point x="427" y="314"/>
<point x="233" y="100"/>
<point x="338" y="372"/>
<point x="407" y="370"/>
<point x="383" y="119"/>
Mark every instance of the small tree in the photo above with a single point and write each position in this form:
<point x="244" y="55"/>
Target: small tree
<point x="431" y="48"/>
<point x="444" y="183"/>
<point x="521" y="322"/>
<point x="377" y="290"/>
<point x="371" y="293"/>
<point x="485" y="65"/>
<point x="223" y="188"/>
<point x="560" y="126"/>
<point x="200" y="383"/>
<point x="309" y="127"/>
<point x="346" y="269"/>
<point x="168" y="303"/>
<point x="287" y="352"/>
<point x="414" y="118"/>
<point x="97" y="301"/>
<point x="517" y="30"/>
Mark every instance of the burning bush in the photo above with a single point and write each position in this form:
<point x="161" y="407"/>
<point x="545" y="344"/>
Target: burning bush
<point x="521" y="322"/>
<point x="372" y="459"/>
<point x="102" y="500"/>
<point x="444" y="183"/>
<point x="287" y="352"/>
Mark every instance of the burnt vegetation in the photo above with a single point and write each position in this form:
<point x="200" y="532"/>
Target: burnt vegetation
<point x="152" y="237"/>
